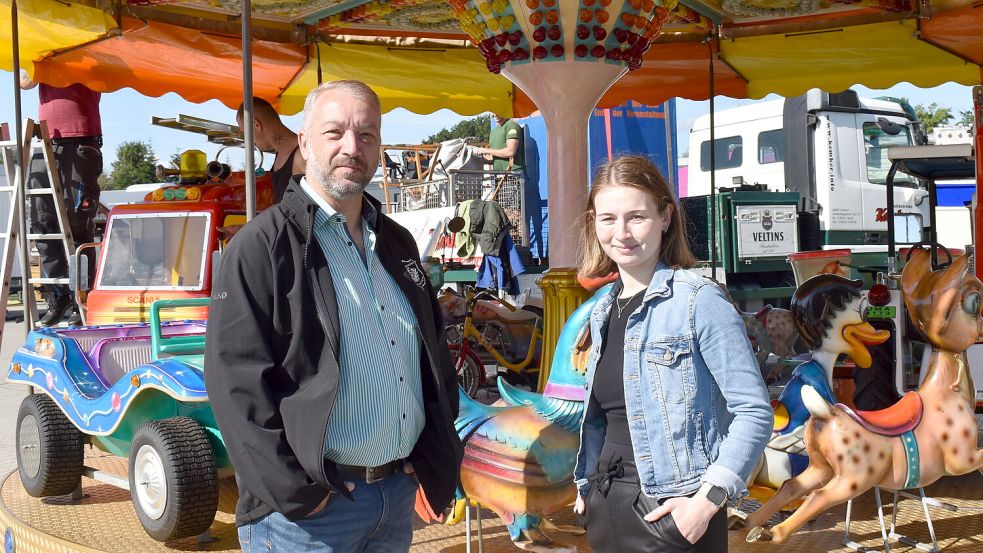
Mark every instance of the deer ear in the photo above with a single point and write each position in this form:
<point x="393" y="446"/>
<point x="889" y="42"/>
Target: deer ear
<point x="939" y="291"/>
<point x="953" y="274"/>
<point x="916" y="268"/>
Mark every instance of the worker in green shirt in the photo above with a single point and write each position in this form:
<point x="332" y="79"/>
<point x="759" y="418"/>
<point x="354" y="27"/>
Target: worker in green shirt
<point x="504" y="149"/>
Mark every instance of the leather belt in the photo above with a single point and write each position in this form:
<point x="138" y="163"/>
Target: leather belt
<point x="371" y="474"/>
<point x="97" y="140"/>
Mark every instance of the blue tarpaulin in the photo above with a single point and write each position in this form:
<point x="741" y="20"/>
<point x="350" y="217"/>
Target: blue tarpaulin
<point x="631" y="128"/>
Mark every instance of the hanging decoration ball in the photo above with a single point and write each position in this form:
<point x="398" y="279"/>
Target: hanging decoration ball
<point x="531" y="31"/>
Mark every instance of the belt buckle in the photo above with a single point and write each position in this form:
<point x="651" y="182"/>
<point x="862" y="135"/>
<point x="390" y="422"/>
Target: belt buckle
<point x="372" y="474"/>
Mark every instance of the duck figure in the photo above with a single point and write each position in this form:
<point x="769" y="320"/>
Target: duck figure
<point x="827" y="313"/>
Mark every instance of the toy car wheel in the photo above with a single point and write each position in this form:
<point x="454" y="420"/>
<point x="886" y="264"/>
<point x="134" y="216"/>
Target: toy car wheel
<point x="49" y="448"/>
<point x="468" y="371"/>
<point x="173" y="483"/>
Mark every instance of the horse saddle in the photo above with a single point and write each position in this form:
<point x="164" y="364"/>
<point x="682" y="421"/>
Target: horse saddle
<point x="894" y="421"/>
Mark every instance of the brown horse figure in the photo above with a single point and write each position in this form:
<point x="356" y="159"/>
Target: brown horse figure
<point x="928" y="434"/>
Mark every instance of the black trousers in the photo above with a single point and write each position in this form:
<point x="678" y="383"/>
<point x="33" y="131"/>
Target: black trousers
<point x="616" y="507"/>
<point x="79" y="164"/>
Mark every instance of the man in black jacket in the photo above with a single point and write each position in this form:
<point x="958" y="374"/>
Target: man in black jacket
<point x="327" y="366"/>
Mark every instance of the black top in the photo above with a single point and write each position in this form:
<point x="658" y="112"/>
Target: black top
<point x="281" y="176"/>
<point x="609" y="382"/>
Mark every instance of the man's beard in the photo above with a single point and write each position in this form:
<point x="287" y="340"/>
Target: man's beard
<point x="339" y="189"/>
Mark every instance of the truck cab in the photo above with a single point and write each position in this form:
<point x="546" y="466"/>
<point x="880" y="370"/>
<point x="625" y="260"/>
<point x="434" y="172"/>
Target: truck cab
<point x="167" y="246"/>
<point x="829" y="148"/>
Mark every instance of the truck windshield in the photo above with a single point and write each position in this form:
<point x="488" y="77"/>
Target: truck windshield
<point x="162" y="252"/>
<point x="876" y="145"/>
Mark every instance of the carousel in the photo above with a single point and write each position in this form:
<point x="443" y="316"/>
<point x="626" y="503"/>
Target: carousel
<point x="119" y="451"/>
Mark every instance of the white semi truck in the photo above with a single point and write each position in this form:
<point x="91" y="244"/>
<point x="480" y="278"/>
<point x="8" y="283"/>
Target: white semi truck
<point x="800" y="174"/>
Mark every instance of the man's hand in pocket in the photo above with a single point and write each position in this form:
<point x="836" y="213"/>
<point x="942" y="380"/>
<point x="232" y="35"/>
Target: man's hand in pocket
<point x="324" y="502"/>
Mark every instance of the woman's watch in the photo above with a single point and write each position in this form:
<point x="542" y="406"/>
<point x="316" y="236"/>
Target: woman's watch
<point x="713" y="494"/>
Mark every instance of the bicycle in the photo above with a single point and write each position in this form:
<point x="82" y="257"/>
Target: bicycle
<point x="467" y="359"/>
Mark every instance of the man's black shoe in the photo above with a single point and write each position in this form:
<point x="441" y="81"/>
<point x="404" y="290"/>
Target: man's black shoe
<point x="75" y="319"/>
<point x="57" y="309"/>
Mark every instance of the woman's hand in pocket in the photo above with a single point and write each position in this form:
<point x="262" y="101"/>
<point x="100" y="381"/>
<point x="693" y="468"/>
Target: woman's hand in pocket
<point x="691" y="515"/>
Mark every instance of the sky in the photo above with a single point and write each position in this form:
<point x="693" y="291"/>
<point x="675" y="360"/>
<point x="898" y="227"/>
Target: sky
<point x="126" y="115"/>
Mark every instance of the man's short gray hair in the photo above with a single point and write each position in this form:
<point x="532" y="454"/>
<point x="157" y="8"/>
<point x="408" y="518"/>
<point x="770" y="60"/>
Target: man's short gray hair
<point x="356" y="89"/>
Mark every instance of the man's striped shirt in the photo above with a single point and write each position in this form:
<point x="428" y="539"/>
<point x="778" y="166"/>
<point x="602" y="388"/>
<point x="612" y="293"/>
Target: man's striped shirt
<point x="379" y="414"/>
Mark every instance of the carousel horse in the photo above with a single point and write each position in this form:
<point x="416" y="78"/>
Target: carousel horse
<point x="827" y="313"/>
<point x="929" y="433"/>
<point x="519" y="457"/>
<point x="770" y="329"/>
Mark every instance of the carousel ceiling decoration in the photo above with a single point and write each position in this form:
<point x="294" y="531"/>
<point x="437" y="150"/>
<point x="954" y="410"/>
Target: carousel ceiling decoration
<point x="449" y="16"/>
<point x="737" y="9"/>
<point x="617" y="33"/>
<point x="764" y="46"/>
<point x="434" y="16"/>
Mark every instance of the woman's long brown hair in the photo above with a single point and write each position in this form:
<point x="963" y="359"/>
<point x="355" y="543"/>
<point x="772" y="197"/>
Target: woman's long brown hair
<point x="633" y="172"/>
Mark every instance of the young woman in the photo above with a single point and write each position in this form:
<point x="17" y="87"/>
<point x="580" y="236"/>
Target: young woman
<point x="678" y="415"/>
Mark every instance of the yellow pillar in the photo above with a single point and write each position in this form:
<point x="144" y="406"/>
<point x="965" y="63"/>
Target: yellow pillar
<point x="562" y="295"/>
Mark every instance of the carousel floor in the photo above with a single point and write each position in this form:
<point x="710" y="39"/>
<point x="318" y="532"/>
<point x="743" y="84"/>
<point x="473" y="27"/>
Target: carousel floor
<point x="104" y="521"/>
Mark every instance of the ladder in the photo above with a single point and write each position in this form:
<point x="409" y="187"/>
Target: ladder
<point x="11" y="237"/>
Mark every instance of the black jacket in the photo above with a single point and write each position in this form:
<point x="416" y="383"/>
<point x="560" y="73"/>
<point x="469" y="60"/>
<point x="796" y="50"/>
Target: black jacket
<point x="272" y="368"/>
<point x="489" y="223"/>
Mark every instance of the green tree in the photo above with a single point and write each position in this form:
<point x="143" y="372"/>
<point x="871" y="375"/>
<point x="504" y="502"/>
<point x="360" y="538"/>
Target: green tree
<point x="965" y="119"/>
<point x="476" y="127"/>
<point x="932" y="116"/>
<point x="135" y="163"/>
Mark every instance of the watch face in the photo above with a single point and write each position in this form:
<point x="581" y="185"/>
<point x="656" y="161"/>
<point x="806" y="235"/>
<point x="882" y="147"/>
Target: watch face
<point x="717" y="496"/>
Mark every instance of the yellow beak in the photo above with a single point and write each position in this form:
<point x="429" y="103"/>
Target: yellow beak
<point x="859" y="336"/>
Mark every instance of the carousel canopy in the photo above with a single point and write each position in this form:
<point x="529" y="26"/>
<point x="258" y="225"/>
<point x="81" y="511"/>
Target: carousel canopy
<point x="414" y="53"/>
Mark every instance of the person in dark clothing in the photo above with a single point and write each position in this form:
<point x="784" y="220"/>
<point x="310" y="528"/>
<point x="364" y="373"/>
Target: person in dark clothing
<point x="328" y="368"/>
<point x="75" y="128"/>
<point x="271" y="135"/>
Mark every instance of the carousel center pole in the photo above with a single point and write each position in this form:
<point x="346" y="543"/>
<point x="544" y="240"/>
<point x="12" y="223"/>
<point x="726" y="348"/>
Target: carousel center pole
<point x="247" y="108"/>
<point x="978" y="215"/>
<point x="21" y="166"/>
<point x="564" y="54"/>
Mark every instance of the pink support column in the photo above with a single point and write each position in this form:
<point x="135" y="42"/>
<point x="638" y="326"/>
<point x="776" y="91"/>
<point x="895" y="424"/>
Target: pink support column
<point x="564" y="54"/>
<point x="566" y="101"/>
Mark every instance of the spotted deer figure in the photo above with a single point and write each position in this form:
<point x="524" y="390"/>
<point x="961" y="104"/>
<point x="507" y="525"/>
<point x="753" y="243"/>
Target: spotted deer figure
<point x="929" y="433"/>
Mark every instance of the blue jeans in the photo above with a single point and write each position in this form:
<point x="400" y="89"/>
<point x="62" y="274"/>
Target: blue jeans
<point x="380" y="520"/>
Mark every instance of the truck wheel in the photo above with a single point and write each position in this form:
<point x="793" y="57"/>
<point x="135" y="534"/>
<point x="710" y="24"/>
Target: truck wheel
<point x="49" y="448"/>
<point x="173" y="483"/>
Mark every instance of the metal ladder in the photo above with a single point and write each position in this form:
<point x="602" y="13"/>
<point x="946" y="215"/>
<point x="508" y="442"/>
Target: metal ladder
<point x="35" y="138"/>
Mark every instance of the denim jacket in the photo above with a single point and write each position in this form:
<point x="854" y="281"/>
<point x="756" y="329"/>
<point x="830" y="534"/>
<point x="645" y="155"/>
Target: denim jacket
<point x="698" y="408"/>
